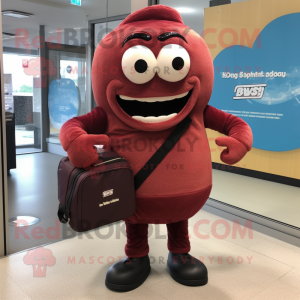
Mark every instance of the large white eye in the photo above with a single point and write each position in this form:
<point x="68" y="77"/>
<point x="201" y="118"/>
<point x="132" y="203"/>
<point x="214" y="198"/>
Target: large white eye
<point x="139" y="64"/>
<point x="173" y="63"/>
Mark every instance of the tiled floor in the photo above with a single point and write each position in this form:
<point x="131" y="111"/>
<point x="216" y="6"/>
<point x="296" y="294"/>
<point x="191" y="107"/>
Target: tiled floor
<point x="32" y="191"/>
<point x="239" y="268"/>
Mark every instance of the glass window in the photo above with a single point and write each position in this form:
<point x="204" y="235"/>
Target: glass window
<point x="256" y="78"/>
<point x="23" y="102"/>
<point x="192" y="11"/>
<point x="22" y="83"/>
<point x="101" y="29"/>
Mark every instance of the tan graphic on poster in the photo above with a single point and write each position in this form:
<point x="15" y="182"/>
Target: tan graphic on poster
<point x="239" y="24"/>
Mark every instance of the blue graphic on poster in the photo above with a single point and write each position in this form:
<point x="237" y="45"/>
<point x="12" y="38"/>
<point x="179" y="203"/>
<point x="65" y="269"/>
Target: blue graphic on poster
<point x="261" y="84"/>
<point x="63" y="101"/>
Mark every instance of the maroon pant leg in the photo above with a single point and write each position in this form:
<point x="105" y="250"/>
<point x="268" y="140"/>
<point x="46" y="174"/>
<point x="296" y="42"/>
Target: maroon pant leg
<point x="178" y="237"/>
<point x="137" y="240"/>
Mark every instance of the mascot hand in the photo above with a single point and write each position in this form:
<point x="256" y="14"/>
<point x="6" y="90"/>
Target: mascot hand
<point x="234" y="152"/>
<point x="81" y="152"/>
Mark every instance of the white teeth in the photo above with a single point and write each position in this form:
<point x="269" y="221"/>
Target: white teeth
<point x="154" y="99"/>
<point x="154" y="119"/>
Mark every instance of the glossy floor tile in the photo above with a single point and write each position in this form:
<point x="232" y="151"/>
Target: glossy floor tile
<point x="280" y="251"/>
<point x="9" y="289"/>
<point x="32" y="191"/>
<point x="292" y="278"/>
<point x="238" y="268"/>
<point x="278" y="291"/>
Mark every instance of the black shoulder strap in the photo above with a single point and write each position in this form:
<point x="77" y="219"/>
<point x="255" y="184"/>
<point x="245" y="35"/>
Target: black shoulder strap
<point x="161" y="153"/>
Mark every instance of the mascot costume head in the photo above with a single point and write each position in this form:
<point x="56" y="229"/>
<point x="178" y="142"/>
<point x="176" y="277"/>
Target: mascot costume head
<point x="148" y="75"/>
<point x="152" y="56"/>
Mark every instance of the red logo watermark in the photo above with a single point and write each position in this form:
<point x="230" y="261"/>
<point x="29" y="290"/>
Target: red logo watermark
<point x="233" y="230"/>
<point x="40" y="68"/>
<point x="25" y="63"/>
<point x="244" y="37"/>
<point x="161" y="260"/>
<point x="40" y="258"/>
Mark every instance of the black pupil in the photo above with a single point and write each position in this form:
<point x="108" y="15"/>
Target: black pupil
<point x="141" y="66"/>
<point x="177" y="63"/>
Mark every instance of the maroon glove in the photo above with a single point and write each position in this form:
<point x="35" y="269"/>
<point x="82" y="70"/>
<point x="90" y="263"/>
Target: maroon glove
<point x="234" y="152"/>
<point x="81" y="152"/>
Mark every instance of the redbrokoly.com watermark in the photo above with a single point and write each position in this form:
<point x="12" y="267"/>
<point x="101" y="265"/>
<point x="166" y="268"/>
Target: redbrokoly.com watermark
<point x="233" y="230"/>
<point x="161" y="260"/>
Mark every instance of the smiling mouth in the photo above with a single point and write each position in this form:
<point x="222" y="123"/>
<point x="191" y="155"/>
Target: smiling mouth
<point x="153" y="109"/>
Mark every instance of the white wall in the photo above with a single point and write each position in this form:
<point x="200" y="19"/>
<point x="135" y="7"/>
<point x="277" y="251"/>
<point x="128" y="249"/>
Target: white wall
<point x="138" y="4"/>
<point x="191" y="11"/>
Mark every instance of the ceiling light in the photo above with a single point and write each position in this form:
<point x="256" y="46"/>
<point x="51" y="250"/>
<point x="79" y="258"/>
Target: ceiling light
<point x="184" y="9"/>
<point x="16" y="14"/>
<point x="8" y="34"/>
<point x="56" y="31"/>
<point x="76" y="2"/>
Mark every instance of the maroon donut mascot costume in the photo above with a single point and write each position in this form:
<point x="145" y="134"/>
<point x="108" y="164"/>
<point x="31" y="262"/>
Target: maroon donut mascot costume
<point x="148" y="75"/>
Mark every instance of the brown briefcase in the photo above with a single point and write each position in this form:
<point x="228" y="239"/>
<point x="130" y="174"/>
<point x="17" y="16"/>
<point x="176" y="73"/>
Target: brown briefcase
<point x="98" y="196"/>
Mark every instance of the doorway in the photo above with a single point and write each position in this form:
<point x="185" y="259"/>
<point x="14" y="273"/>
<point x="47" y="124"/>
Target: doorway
<point x="21" y="102"/>
<point x="32" y="185"/>
<point x="54" y="98"/>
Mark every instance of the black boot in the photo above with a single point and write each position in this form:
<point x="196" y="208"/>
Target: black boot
<point x="128" y="274"/>
<point x="186" y="269"/>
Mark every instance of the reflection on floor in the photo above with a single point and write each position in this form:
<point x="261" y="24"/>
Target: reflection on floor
<point x="27" y="150"/>
<point x="273" y="200"/>
<point x="258" y="268"/>
<point x="23" y="136"/>
<point x="32" y="191"/>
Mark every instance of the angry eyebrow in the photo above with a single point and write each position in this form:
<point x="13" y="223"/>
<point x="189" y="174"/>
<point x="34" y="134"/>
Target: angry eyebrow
<point x="138" y="35"/>
<point x="169" y="35"/>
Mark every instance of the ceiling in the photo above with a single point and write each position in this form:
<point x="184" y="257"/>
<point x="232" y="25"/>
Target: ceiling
<point x="192" y="11"/>
<point x="56" y="14"/>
